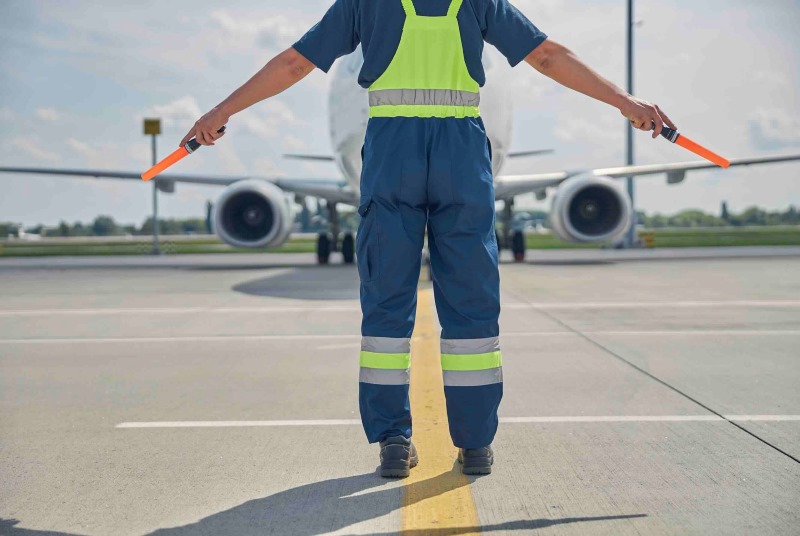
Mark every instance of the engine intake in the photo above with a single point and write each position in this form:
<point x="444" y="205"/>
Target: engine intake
<point x="590" y="209"/>
<point x="253" y="214"/>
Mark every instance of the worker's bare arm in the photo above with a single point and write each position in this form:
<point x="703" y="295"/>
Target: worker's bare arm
<point x="280" y="73"/>
<point x="562" y="65"/>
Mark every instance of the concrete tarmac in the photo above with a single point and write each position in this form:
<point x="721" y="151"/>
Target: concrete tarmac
<point x="221" y="398"/>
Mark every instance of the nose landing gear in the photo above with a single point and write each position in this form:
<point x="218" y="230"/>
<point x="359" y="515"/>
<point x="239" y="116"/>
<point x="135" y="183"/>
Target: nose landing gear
<point x="326" y="245"/>
<point x="512" y="239"/>
<point x="329" y="242"/>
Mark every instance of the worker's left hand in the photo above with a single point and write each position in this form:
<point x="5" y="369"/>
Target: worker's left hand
<point x="205" y="129"/>
<point x="643" y="115"/>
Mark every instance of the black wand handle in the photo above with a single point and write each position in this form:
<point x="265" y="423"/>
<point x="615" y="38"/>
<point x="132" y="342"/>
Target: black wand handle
<point x="192" y="145"/>
<point x="671" y="134"/>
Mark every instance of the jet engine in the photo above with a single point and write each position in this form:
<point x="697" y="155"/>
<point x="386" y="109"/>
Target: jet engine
<point x="253" y="214"/>
<point x="590" y="209"/>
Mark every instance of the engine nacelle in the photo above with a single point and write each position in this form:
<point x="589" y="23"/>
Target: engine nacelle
<point x="590" y="209"/>
<point x="253" y="214"/>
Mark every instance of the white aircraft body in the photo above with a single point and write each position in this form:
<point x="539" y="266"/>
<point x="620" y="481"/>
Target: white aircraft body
<point x="589" y="205"/>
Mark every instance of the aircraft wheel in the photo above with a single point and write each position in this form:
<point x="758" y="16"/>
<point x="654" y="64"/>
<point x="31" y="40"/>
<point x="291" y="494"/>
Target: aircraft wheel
<point x="348" y="248"/>
<point x="323" y="248"/>
<point x="518" y="246"/>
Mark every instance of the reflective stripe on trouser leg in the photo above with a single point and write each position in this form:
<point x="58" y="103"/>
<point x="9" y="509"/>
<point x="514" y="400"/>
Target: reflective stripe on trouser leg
<point x="466" y="281"/>
<point x="471" y="362"/>
<point x="473" y="387"/>
<point x="385" y="360"/>
<point x="383" y="387"/>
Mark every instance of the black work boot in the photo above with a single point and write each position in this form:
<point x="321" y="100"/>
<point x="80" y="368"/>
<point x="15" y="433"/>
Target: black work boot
<point x="476" y="461"/>
<point x="398" y="456"/>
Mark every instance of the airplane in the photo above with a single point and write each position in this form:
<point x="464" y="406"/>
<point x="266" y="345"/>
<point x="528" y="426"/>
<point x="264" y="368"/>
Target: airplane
<point x="252" y="212"/>
<point x="23" y="235"/>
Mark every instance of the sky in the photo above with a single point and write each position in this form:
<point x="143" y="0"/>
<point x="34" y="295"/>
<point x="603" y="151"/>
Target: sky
<point x="78" y="77"/>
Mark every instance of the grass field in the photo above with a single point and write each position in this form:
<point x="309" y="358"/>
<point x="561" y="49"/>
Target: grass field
<point x="709" y="237"/>
<point x="123" y="247"/>
<point x="705" y="237"/>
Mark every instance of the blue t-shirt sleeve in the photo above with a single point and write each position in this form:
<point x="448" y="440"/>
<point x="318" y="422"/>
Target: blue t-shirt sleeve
<point x="505" y="27"/>
<point x="335" y="35"/>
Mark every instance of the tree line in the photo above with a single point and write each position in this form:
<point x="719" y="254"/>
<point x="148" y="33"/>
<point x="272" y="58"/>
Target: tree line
<point x="752" y="216"/>
<point x="106" y="226"/>
<point x="688" y="218"/>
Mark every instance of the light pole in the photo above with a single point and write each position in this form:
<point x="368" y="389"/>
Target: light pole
<point x="630" y="239"/>
<point x="152" y="128"/>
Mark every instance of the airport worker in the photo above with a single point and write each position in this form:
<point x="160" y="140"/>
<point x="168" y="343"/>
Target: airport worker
<point x="427" y="164"/>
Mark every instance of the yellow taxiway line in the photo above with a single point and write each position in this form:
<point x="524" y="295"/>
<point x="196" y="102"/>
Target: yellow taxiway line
<point x="437" y="498"/>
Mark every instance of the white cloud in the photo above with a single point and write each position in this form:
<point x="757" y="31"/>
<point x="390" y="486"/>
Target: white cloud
<point x="266" y="167"/>
<point x="80" y="148"/>
<point x="538" y="8"/>
<point x="580" y="129"/>
<point x="47" y="114"/>
<point x="102" y="155"/>
<point x="317" y="169"/>
<point x="293" y="143"/>
<point x="95" y="155"/>
<point x="256" y="124"/>
<point x="181" y="112"/>
<point x="281" y="111"/>
<point x="231" y="162"/>
<point x="268" y="32"/>
<point x="34" y="148"/>
<point x="774" y="128"/>
<point x="267" y="120"/>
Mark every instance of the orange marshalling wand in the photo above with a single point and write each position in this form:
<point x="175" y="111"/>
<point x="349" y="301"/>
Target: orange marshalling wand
<point x="190" y="147"/>
<point x="696" y="148"/>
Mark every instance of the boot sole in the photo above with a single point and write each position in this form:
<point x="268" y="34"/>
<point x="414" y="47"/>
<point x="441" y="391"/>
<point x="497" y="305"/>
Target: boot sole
<point x="476" y="467"/>
<point x="477" y="470"/>
<point x="399" y="468"/>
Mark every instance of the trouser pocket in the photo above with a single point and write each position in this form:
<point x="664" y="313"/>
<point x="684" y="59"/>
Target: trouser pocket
<point x="367" y="241"/>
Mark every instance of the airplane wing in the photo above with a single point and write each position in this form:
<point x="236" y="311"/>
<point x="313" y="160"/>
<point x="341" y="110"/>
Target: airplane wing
<point x="535" y="152"/>
<point x="335" y="190"/>
<point x="320" y="157"/>
<point x="508" y="186"/>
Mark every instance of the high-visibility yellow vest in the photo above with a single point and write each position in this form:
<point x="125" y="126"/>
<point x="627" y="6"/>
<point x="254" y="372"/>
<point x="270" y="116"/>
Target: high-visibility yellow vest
<point x="427" y="76"/>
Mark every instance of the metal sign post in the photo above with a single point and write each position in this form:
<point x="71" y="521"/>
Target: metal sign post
<point x="152" y="128"/>
<point x="630" y="239"/>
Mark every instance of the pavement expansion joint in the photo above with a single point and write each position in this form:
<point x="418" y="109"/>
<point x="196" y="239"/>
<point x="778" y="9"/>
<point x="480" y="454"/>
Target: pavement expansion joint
<point x="614" y="354"/>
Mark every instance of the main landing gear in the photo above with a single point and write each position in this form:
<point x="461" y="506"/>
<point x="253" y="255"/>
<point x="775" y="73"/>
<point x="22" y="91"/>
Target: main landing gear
<point x="329" y="242"/>
<point x="513" y="239"/>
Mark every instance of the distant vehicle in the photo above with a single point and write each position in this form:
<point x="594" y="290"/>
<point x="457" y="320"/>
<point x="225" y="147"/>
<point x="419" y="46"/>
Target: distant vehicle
<point x="23" y="235"/>
<point x="258" y="212"/>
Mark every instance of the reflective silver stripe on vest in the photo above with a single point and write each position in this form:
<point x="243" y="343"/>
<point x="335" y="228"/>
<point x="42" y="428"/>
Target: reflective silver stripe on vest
<point x="448" y="97"/>
<point x="386" y="345"/>
<point x="470" y="346"/>
<point x="384" y="376"/>
<point x="472" y="378"/>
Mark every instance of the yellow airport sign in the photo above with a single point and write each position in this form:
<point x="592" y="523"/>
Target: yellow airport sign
<point x="152" y="127"/>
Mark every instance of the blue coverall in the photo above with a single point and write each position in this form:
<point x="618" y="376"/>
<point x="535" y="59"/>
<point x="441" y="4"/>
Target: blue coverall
<point x="427" y="162"/>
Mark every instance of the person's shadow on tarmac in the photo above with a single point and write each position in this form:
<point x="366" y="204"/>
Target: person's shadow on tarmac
<point x="335" y="504"/>
<point x="332" y="505"/>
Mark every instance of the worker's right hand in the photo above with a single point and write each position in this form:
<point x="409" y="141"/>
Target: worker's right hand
<point x="205" y="129"/>
<point x="643" y="115"/>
